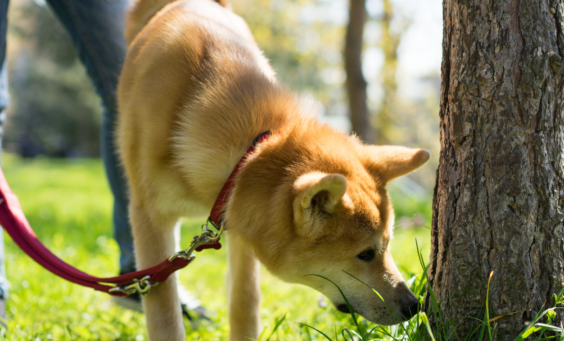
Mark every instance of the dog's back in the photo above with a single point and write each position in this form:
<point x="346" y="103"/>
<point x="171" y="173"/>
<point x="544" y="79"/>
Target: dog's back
<point x="186" y="97"/>
<point x="144" y="10"/>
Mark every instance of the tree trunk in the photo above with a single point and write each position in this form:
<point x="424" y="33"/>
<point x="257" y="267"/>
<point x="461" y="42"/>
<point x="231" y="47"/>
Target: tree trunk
<point x="498" y="203"/>
<point x="356" y="84"/>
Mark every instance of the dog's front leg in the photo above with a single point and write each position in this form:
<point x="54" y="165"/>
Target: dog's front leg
<point x="243" y="280"/>
<point x="154" y="241"/>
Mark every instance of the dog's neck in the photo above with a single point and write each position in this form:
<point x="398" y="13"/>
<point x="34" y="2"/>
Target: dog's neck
<point x="264" y="192"/>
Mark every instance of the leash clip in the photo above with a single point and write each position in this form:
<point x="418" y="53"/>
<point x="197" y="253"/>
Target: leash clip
<point x="141" y="286"/>
<point x="207" y="239"/>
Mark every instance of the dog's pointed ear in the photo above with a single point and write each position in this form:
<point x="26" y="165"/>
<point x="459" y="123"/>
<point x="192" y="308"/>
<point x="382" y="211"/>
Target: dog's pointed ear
<point x="390" y="162"/>
<point x="317" y="195"/>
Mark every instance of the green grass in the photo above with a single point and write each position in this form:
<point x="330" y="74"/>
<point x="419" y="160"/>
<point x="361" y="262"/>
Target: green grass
<point x="68" y="204"/>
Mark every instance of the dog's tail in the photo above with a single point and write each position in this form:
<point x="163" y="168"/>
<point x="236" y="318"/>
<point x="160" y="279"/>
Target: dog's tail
<point x="142" y="12"/>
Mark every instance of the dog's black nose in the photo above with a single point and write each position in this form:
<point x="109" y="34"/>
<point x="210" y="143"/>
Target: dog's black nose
<point x="343" y="308"/>
<point x="411" y="310"/>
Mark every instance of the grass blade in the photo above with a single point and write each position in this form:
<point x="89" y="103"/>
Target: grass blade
<point x="317" y="330"/>
<point x="346" y="301"/>
<point x="549" y="327"/>
<point x="278" y="323"/>
<point x="525" y="333"/>
<point x="423" y="317"/>
<point x="351" y="337"/>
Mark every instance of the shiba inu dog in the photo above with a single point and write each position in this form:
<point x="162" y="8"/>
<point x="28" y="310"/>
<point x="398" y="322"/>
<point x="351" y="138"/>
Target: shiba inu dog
<point x="194" y="92"/>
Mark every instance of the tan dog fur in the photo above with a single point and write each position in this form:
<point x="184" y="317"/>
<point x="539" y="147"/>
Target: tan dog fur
<point x="194" y="92"/>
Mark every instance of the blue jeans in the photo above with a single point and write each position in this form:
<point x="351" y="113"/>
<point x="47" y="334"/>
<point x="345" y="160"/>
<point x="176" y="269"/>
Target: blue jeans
<point x="96" y="29"/>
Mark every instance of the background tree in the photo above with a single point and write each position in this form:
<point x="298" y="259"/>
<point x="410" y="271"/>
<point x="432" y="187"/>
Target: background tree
<point x="356" y="84"/>
<point x="499" y="195"/>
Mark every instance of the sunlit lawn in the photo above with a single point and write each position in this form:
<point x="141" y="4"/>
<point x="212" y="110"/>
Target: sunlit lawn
<point x="68" y="204"/>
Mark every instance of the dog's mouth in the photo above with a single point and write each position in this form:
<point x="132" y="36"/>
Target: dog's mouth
<point x="387" y="319"/>
<point x="343" y="308"/>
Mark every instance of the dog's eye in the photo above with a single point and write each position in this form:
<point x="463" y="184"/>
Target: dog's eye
<point x="367" y="255"/>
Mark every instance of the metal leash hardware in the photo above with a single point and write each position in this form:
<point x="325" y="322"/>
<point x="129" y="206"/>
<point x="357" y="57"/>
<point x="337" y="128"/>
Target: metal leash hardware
<point x="206" y="237"/>
<point x="140" y="286"/>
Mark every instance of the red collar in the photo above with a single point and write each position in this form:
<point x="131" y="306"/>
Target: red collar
<point x="221" y="201"/>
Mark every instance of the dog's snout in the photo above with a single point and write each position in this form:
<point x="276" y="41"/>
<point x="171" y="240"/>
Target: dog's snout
<point x="411" y="311"/>
<point x="343" y="308"/>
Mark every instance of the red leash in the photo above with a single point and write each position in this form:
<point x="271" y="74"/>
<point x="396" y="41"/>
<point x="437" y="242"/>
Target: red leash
<point x="17" y="226"/>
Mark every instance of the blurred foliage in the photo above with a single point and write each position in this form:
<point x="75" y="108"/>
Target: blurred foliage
<point x="398" y="119"/>
<point x="304" y="39"/>
<point x="54" y="108"/>
<point x="389" y="44"/>
<point x="302" y="45"/>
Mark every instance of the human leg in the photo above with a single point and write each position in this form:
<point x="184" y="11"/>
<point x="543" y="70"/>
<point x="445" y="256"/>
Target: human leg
<point x="96" y="30"/>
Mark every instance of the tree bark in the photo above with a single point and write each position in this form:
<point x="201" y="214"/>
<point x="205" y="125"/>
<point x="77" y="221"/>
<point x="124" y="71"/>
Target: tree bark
<point x="356" y="84"/>
<point x="498" y="203"/>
